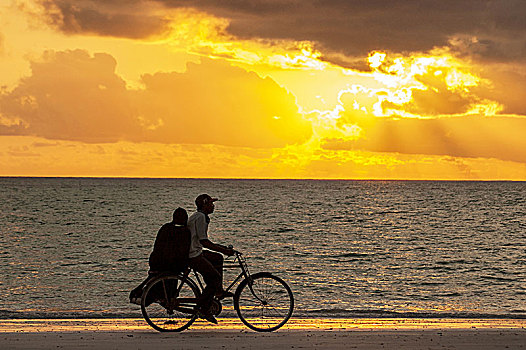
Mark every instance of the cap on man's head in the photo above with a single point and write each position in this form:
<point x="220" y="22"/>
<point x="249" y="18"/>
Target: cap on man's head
<point x="203" y="199"/>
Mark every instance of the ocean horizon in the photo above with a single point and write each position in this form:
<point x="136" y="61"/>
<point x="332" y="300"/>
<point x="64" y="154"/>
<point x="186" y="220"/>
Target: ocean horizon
<point x="253" y="178"/>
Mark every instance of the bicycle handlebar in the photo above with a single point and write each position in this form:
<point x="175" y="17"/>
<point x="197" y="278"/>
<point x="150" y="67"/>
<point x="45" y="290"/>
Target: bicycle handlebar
<point x="236" y="252"/>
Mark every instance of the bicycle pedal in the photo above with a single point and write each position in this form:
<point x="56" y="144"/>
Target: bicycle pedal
<point x="216" y="307"/>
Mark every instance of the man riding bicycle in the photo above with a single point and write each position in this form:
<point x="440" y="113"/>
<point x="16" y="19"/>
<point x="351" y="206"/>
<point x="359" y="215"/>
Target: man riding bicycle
<point x="206" y="262"/>
<point x="171" y="300"/>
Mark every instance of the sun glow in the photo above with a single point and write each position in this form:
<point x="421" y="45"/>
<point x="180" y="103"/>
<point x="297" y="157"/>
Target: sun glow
<point x="252" y="107"/>
<point x="205" y="35"/>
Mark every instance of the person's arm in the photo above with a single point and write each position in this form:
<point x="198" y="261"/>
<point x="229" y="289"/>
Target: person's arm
<point x="216" y="247"/>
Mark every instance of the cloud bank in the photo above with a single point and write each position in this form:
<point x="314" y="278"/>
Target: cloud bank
<point x="74" y="96"/>
<point x="485" y="29"/>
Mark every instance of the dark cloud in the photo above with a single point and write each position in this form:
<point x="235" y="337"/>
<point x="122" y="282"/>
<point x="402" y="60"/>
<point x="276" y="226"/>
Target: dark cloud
<point x="357" y="27"/>
<point x="474" y="137"/>
<point x="106" y="18"/>
<point x="350" y="27"/>
<point x="508" y="87"/>
<point x="74" y="96"/>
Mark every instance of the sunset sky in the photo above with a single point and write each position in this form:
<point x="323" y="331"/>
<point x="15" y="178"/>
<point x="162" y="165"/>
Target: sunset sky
<point x="375" y="89"/>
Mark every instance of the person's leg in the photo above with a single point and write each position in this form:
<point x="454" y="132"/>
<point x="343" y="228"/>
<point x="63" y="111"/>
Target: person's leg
<point x="210" y="275"/>
<point x="217" y="261"/>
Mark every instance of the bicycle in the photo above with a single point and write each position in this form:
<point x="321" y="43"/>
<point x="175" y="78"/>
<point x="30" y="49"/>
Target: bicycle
<point x="263" y="301"/>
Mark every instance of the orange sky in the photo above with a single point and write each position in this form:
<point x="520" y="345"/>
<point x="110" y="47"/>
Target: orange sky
<point x="162" y="89"/>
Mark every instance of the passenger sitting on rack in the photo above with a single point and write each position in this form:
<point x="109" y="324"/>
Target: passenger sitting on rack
<point x="172" y="244"/>
<point x="170" y="251"/>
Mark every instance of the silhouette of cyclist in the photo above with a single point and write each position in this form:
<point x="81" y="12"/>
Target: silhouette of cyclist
<point x="205" y="261"/>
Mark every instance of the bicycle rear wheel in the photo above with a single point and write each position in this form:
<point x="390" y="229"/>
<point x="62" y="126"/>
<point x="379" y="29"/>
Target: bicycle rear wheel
<point x="168" y="303"/>
<point x="264" y="305"/>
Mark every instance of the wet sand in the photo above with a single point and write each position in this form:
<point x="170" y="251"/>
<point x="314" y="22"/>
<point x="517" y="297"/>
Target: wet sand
<point x="298" y="333"/>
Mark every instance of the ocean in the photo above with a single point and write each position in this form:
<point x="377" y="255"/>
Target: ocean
<point x="75" y="247"/>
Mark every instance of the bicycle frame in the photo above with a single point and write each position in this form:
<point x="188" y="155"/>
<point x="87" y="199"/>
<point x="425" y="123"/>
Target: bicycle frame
<point x="241" y="264"/>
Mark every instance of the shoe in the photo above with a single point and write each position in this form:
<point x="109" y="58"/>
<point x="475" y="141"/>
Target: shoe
<point x="224" y="294"/>
<point x="207" y="316"/>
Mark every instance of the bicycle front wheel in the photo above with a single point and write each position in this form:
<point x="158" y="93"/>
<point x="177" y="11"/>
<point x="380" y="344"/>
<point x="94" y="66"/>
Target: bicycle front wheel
<point x="168" y="303"/>
<point x="264" y="305"/>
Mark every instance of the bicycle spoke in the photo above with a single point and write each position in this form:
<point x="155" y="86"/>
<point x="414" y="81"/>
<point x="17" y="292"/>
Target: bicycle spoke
<point x="275" y="294"/>
<point x="275" y="311"/>
<point x="252" y="300"/>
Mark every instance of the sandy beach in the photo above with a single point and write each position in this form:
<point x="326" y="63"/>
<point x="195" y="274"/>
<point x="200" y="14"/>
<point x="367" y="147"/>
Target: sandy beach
<point x="298" y="333"/>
